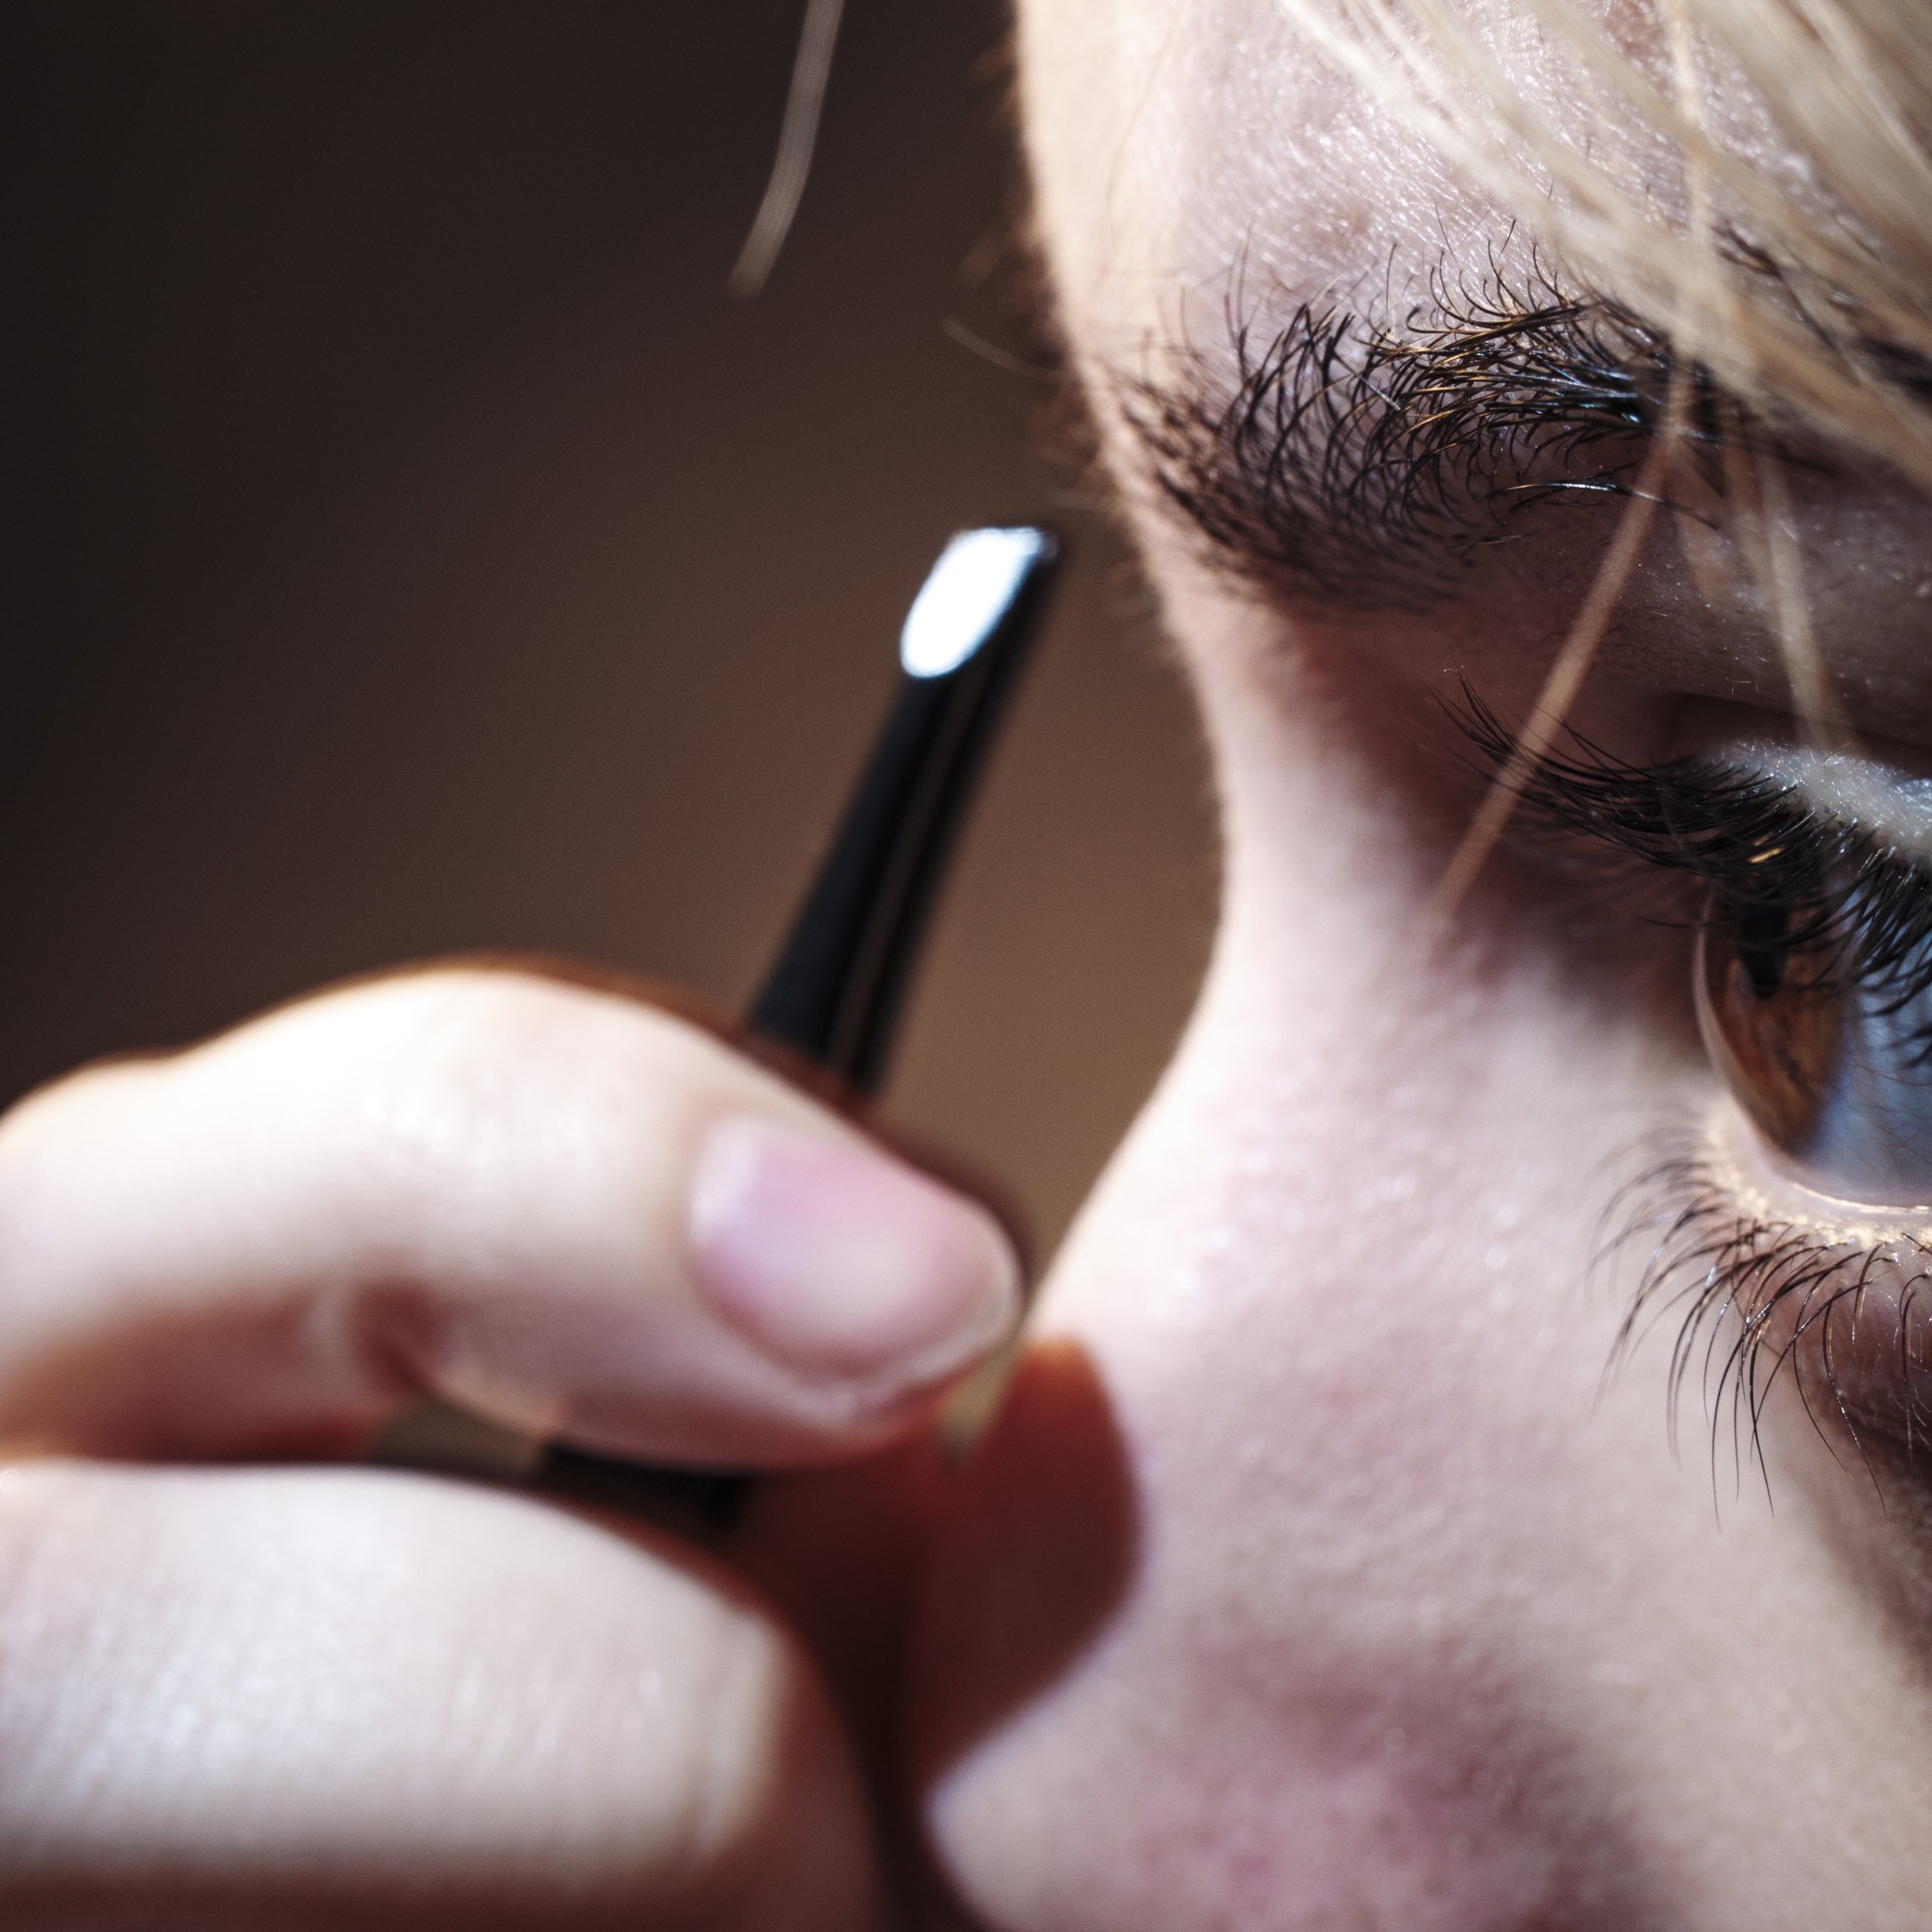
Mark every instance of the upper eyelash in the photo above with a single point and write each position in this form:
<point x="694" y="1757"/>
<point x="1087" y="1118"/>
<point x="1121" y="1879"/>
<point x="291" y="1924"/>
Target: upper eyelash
<point x="1752" y="842"/>
<point x="1328" y="454"/>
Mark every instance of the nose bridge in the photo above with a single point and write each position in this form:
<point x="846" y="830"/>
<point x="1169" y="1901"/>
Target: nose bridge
<point x="1335" y="1258"/>
<point x="1310" y="1313"/>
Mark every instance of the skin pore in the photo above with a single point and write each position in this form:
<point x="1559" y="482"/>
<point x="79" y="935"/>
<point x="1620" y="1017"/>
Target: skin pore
<point x="1411" y="1618"/>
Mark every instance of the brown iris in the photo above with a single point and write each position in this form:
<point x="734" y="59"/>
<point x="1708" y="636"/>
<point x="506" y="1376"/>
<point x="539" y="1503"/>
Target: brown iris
<point x="1773" y="1029"/>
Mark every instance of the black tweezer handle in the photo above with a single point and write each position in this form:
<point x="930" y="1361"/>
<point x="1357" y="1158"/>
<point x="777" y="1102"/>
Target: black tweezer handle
<point x="833" y="995"/>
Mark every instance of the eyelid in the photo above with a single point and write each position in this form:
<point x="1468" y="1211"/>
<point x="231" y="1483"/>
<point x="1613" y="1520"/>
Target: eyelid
<point x="1869" y="798"/>
<point x="1748" y="819"/>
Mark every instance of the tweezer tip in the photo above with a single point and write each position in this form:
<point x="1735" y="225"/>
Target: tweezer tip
<point x="968" y="591"/>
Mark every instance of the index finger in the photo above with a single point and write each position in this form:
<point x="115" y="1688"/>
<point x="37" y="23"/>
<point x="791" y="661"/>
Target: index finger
<point x="559" y="1208"/>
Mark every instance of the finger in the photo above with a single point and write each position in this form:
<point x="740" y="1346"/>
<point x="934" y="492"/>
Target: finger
<point x="556" y="1207"/>
<point x="327" y="1697"/>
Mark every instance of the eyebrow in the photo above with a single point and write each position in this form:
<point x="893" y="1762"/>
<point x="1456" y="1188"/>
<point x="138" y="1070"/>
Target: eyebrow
<point x="1350" y="462"/>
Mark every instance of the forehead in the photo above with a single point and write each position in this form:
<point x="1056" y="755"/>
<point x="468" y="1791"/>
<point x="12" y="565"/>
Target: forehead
<point x="1183" y="149"/>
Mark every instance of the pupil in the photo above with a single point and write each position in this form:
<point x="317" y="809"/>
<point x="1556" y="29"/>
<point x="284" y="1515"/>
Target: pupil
<point x="1760" y="953"/>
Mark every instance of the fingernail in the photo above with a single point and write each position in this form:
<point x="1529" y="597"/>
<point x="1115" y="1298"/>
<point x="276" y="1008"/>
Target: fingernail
<point x="841" y="1262"/>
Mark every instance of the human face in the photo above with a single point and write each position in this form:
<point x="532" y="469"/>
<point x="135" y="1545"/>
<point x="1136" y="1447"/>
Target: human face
<point x="1319" y="1573"/>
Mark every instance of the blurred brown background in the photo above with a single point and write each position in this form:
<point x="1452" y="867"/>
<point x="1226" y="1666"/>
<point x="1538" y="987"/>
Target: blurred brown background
<point x="409" y="546"/>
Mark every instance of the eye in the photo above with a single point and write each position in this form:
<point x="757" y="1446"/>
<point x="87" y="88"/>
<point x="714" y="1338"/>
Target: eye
<point x="1830" y="1064"/>
<point x="1813" y="990"/>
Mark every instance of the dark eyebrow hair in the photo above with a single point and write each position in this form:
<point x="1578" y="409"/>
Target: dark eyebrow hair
<point x="1355" y="462"/>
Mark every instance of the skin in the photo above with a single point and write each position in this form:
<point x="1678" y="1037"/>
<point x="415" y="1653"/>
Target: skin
<point x="1408" y="1623"/>
<point x="1313" y="1574"/>
<point x="237" y="1690"/>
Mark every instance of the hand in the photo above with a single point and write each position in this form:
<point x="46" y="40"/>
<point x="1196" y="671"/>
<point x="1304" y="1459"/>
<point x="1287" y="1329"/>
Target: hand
<point x="323" y="1695"/>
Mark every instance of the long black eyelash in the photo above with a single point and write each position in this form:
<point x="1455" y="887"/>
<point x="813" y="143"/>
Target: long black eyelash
<point x="1856" y="907"/>
<point x="1750" y="1294"/>
<point x="1328" y="456"/>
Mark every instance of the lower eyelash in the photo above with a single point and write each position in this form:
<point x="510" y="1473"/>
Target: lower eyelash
<point x="1756" y="1297"/>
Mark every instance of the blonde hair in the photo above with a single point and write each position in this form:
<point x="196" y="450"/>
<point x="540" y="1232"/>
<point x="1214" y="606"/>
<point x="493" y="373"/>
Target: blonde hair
<point x="1807" y="295"/>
